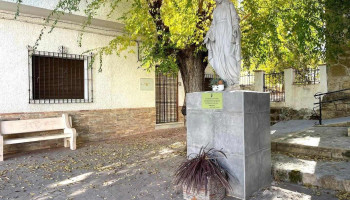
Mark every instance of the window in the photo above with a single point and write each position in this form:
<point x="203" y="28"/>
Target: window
<point x="59" y="78"/>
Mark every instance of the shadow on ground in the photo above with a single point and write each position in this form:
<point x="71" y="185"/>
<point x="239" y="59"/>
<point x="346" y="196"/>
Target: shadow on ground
<point x="133" y="167"/>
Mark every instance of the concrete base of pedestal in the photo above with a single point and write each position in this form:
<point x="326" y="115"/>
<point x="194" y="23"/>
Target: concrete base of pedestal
<point x="242" y="130"/>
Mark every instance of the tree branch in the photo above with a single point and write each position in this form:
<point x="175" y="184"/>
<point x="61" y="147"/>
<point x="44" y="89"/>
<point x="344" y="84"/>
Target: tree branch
<point x="154" y="11"/>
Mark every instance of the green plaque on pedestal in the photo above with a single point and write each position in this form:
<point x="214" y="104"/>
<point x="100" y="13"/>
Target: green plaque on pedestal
<point x="212" y="100"/>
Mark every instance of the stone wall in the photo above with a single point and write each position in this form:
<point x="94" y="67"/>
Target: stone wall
<point x="338" y="65"/>
<point x="278" y="114"/>
<point x="338" y="79"/>
<point x="339" y="73"/>
<point x="91" y="125"/>
<point x="338" y="108"/>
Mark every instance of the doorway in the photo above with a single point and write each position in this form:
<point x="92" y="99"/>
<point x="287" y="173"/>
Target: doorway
<point x="166" y="98"/>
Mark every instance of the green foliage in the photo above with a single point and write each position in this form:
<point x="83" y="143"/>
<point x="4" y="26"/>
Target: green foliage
<point x="217" y="81"/>
<point x="279" y="34"/>
<point x="295" y="176"/>
<point x="17" y="11"/>
<point x="164" y="28"/>
<point x="337" y="19"/>
<point x="276" y="34"/>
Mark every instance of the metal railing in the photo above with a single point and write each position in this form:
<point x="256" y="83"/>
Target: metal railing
<point x="208" y="75"/>
<point x="319" y="104"/>
<point x="274" y="83"/>
<point x="306" y="77"/>
<point x="247" y="79"/>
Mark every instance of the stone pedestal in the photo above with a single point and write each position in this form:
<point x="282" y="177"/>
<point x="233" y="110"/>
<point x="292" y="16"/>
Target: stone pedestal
<point x="241" y="128"/>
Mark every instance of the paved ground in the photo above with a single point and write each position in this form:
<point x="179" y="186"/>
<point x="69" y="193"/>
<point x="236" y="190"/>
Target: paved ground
<point x="134" y="167"/>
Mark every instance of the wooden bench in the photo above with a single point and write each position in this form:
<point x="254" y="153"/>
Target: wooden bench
<point x="36" y="125"/>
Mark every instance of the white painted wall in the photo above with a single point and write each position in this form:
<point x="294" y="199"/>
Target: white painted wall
<point x="302" y="96"/>
<point x="118" y="86"/>
<point x="296" y="96"/>
<point x="181" y="91"/>
<point x="259" y="80"/>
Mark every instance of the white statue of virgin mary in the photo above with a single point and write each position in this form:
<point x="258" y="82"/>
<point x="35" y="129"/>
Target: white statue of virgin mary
<point x="223" y="42"/>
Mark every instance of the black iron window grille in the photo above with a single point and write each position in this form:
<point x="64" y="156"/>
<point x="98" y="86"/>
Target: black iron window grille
<point x="274" y="83"/>
<point x="247" y="79"/>
<point x="306" y="77"/>
<point x="59" y="77"/>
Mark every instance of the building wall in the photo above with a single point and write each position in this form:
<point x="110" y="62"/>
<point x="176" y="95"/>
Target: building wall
<point x="119" y="107"/>
<point x="118" y="86"/>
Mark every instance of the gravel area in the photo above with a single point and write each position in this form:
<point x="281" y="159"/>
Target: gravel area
<point x="132" y="167"/>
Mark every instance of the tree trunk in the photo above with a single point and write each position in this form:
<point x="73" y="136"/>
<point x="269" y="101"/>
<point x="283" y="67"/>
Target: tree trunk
<point x="192" y="67"/>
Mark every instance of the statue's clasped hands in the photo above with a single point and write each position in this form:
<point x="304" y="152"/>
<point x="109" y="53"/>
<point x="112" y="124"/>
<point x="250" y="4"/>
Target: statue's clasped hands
<point x="234" y="36"/>
<point x="209" y="36"/>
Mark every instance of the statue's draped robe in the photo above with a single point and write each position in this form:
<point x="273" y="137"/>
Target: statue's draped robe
<point x="225" y="49"/>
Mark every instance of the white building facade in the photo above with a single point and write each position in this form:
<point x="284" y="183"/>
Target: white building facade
<point x="117" y="101"/>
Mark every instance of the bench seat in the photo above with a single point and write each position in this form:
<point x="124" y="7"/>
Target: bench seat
<point x="37" y="125"/>
<point x="35" y="138"/>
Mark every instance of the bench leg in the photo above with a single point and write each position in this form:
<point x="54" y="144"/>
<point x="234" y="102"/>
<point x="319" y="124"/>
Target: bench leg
<point x="1" y="148"/>
<point x="66" y="142"/>
<point x="73" y="140"/>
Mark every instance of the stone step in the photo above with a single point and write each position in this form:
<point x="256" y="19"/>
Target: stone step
<point x="324" y="152"/>
<point x="334" y="175"/>
<point x="328" y="142"/>
<point x="339" y="124"/>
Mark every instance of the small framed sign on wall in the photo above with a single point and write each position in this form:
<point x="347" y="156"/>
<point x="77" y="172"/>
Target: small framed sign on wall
<point x="146" y="84"/>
